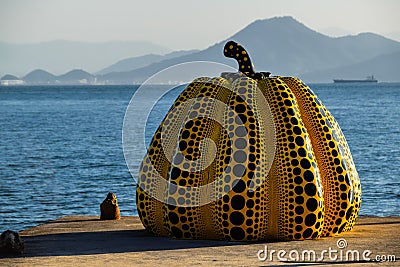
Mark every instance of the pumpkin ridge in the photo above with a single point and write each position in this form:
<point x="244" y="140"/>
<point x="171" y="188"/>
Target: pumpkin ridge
<point x="292" y="195"/>
<point x="328" y="141"/>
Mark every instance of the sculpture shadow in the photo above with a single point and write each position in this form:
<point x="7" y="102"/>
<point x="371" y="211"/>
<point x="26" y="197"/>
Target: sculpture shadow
<point x="121" y="241"/>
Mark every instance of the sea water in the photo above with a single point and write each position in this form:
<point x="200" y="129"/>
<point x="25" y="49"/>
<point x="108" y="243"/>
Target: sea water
<point x="61" y="149"/>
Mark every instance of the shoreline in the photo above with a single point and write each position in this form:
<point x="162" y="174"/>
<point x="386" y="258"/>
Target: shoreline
<point x="86" y="240"/>
<point x="177" y="84"/>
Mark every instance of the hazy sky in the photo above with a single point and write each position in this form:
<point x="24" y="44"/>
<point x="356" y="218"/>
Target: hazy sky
<point x="184" y="24"/>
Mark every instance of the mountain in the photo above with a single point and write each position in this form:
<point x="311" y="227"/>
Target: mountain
<point x="76" y="76"/>
<point x="39" y="77"/>
<point x="283" y="46"/>
<point x="61" y="56"/>
<point x="9" y="77"/>
<point x="384" y="68"/>
<point x="133" y="63"/>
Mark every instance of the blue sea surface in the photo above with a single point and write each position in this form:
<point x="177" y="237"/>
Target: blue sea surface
<point x="61" y="149"/>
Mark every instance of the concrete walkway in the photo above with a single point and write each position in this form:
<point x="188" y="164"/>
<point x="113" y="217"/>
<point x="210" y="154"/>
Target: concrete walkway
<point x="87" y="241"/>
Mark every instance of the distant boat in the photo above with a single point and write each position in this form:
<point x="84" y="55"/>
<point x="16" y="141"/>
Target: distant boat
<point x="369" y="79"/>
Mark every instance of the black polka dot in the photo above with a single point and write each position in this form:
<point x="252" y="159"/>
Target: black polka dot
<point x="312" y="204"/>
<point x="236" y="218"/>
<point x="298" y="219"/>
<point x="342" y="227"/>
<point x="310" y="219"/>
<point x="249" y="222"/>
<point x="347" y="179"/>
<point x="305" y="164"/>
<point x="298" y="190"/>
<point x="307" y="233"/>
<point x="349" y="212"/>
<point x="299" y="200"/>
<point x="298" y="180"/>
<point x="237" y="233"/>
<point x="185" y="134"/>
<point x="189" y="124"/>
<point x="294" y="162"/>
<point x="226" y="199"/>
<point x="225" y="207"/>
<point x="343" y="187"/>
<point x="288" y="102"/>
<point x="331" y="144"/>
<point x="302" y="152"/>
<point x="310" y="189"/>
<point x="175" y="173"/>
<point x="308" y="176"/>
<point x="238" y="202"/>
<point x="182" y="145"/>
<point x="299" y="210"/>
<point x="240" y="108"/>
<point x="250" y="203"/>
<point x="181" y="210"/>
<point x="299" y="141"/>
<point x="239" y="187"/>
<point x="141" y="197"/>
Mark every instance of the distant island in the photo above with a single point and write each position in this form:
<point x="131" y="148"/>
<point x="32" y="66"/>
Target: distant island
<point x="42" y="77"/>
<point x="281" y="45"/>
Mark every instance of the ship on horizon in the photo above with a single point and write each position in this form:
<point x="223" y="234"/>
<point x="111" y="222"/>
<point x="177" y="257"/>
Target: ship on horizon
<point x="369" y="79"/>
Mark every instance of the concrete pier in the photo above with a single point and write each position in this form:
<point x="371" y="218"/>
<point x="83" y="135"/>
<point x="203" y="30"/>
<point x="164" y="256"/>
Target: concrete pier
<point x="88" y="241"/>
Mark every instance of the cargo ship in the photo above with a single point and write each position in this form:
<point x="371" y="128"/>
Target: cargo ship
<point x="369" y="79"/>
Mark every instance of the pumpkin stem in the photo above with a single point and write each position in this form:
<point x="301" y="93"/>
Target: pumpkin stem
<point x="236" y="51"/>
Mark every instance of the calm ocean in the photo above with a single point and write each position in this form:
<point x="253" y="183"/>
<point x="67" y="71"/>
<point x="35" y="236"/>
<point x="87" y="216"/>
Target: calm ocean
<point x="61" y="151"/>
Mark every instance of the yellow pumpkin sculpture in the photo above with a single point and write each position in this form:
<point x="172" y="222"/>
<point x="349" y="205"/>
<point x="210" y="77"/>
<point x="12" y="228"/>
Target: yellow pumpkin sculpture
<point x="246" y="156"/>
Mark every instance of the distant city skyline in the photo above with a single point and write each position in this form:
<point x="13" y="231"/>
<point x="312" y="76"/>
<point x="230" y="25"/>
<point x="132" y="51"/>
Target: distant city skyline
<point x="180" y="24"/>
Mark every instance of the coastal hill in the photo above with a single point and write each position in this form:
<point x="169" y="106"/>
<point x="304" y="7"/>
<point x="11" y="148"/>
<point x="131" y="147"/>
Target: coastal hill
<point x="72" y="77"/>
<point x="281" y="45"/>
<point x="141" y="61"/>
<point x="9" y="77"/>
<point x="76" y="75"/>
<point x="284" y="46"/>
<point x="39" y="77"/>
